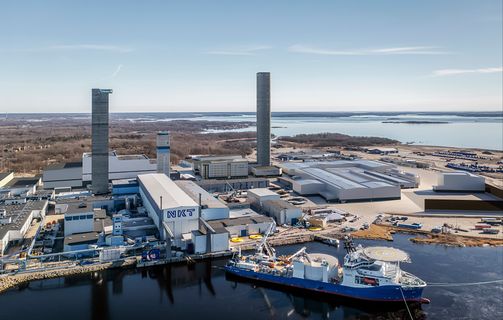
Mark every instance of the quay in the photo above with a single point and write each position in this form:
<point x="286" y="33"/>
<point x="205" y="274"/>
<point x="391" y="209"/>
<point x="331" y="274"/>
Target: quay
<point x="64" y="269"/>
<point x="46" y="270"/>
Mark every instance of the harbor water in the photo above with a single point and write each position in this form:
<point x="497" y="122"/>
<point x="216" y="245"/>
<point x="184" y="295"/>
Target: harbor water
<point x="435" y="130"/>
<point x="202" y="290"/>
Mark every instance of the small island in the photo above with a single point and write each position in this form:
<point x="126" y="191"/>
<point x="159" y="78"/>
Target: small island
<point x="417" y="122"/>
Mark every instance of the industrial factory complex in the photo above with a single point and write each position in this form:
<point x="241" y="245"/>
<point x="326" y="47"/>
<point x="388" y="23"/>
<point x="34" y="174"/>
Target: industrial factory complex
<point x="344" y="181"/>
<point x="109" y="206"/>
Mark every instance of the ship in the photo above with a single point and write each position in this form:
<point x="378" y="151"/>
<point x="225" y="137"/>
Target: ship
<point x="370" y="273"/>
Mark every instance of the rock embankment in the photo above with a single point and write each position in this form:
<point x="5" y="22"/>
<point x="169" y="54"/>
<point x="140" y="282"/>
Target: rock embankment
<point x="13" y="280"/>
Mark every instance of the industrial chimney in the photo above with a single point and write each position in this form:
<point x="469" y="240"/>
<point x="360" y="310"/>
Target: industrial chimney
<point x="100" y="140"/>
<point x="264" y="119"/>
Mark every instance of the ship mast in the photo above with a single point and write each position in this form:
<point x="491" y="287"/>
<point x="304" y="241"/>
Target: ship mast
<point x="264" y="246"/>
<point x="349" y="245"/>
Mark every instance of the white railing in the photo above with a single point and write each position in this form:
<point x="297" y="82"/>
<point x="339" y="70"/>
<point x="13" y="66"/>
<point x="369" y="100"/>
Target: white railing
<point x="408" y="279"/>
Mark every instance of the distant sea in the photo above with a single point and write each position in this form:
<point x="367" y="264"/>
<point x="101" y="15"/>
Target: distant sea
<point x="452" y="129"/>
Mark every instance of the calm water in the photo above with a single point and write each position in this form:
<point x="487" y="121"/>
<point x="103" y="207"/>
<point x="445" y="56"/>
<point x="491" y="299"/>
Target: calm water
<point x="462" y="129"/>
<point x="467" y="132"/>
<point x="202" y="291"/>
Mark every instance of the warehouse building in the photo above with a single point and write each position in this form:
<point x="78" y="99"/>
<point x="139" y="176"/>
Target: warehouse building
<point x="80" y="241"/>
<point x="123" y="187"/>
<point x="209" y="239"/>
<point x="120" y="166"/>
<point x="62" y="175"/>
<point x="21" y="187"/>
<point x="256" y="197"/>
<point x="5" y="177"/>
<point x="81" y="217"/>
<point x="79" y="174"/>
<point x="282" y="211"/>
<point x="347" y="181"/>
<point x="219" y="185"/>
<point x="266" y="171"/>
<point x="460" y="181"/>
<point x="172" y="210"/>
<point x="220" y="167"/>
<point x="243" y="226"/>
<point x="15" y="220"/>
<point x="211" y="207"/>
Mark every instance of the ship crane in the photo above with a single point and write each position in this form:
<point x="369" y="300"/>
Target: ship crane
<point x="301" y="252"/>
<point x="264" y="246"/>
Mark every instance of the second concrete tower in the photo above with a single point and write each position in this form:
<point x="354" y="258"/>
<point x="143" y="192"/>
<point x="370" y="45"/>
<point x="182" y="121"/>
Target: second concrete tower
<point x="264" y="119"/>
<point x="99" y="167"/>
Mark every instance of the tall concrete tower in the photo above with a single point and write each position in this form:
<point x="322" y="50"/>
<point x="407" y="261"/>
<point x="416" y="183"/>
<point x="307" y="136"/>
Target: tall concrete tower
<point x="100" y="140"/>
<point x="264" y="119"/>
<point x="163" y="152"/>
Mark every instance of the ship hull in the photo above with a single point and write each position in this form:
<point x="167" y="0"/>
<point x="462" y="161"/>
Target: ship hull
<point x="389" y="293"/>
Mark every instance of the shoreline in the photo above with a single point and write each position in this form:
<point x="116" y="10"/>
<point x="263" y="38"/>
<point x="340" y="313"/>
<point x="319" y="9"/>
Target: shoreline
<point x="375" y="232"/>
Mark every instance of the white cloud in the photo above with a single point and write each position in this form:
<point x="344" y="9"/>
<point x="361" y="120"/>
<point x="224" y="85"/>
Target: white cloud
<point x="117" y="70"/>
<point x="306" y="49"/>
<point x="239" y="51"/>
<point x="450" y="72"/>
<point x="299" y="48"/>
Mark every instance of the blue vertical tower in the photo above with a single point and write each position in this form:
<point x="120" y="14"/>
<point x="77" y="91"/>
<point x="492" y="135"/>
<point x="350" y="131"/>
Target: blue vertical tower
<point x="163" y="152"/>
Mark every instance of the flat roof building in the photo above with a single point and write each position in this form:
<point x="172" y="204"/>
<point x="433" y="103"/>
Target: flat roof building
<point x="63" y="175"/>
<point x="460" y="181"/>
<point x="220" y="167"/>
<point x="120" y="166"/>
<point x="343" y="181"/>
<point x="172" y="210"/>
<point x="243" y="226"/>
<point x="79" y="174"/>
<point x="5" y="177"/>
<point x="282" y="211"/>
<point x="211" y="207"/>
<point x="15" y="220"/>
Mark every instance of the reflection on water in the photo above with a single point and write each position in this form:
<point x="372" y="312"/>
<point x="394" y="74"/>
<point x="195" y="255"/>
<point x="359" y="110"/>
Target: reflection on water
<point x="203" y="290"/>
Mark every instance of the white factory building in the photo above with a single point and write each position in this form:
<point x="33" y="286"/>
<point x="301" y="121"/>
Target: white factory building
<point x="270" y="202"/>
<point x="172" y="210"/>
<point x="120" y="166"/>
<point x="63" y="175"/>
<point x="346" y="181"/>
<point x="214" y="167"/>
<point x="81" y="217"/>
<point x="460" y="181"/>
<point x="211" y="207"/>
<point x="78" y="174"/>
<point x="16" y="219"/>
<point x="282" y="211"/>
<point x="256" y="197"/>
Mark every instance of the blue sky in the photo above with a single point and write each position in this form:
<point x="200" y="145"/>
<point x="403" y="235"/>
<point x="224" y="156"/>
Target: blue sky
<point x="203" y="55"/>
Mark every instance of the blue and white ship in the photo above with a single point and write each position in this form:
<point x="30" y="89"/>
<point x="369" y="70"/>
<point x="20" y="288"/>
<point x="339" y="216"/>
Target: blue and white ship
<point x="371" y="273"/>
